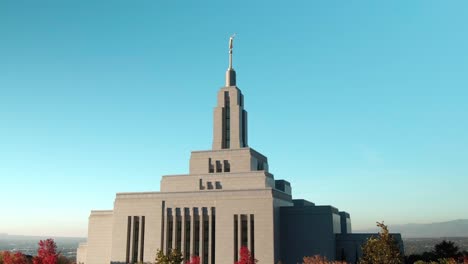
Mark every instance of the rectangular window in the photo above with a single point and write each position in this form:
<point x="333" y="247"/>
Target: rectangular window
<point x="196" y="236"/>
<point x="142" y="239"/>
<point x="252" y="235"/>
<point x="244" y="128"/>
<point x="178" y="229"/>
<point x="227" y="120"/>
<point x="244" y="238"/>
<point x="187" y="233"/>
<point x="205" y="235"/>
<point x="219" y="166"/>
<point x="227" y="166"/>
<point x="163" y="213"/>
<point x="260" y="165"/>
<point x="210" y="166"/>
<point x="129" y="231"/>
<point x="136" y="229"/>
<point x="235" y="238"/>
<point x="213" y="233"/>
<point x="200" y="184"/>
<point x="227" y="99"/>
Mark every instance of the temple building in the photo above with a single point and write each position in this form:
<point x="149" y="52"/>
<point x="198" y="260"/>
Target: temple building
<point x="229" y="199"/>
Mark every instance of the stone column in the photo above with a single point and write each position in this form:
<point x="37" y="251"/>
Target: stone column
<point x="182" y="230"/>
<point x="200" y="250"/>
<point x="174" y="228"/>
<point x="192" y="231"/>
<point x="210" y="241"/>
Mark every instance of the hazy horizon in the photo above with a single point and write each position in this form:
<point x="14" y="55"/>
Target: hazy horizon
<point x="360" y="105"/>
<point x="365" y="230"/>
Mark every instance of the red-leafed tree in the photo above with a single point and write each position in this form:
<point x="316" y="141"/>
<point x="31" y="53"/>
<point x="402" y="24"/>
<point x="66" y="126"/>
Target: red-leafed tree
<point x="193" y="260"/>
<point x="16" y="258"/>
<point x="246" y="257"/>
<point x="46" y="253"/>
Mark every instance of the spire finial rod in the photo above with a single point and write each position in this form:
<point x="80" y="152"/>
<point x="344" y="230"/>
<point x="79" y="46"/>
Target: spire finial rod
<point x="231" y="40"/>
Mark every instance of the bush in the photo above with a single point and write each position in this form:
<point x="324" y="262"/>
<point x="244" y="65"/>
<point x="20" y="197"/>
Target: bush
<point x="319" y="260"/>
<point x="382" y="249"/>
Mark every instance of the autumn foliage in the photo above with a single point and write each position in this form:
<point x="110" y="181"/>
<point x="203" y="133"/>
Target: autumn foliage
<point x="47" y="252"/>
<point x="193" y="260"/>
<point x="319" y="260"/>
<point x="14" y="258"/>
<point x="246" y="257"/>
<point x="382" y="249"/>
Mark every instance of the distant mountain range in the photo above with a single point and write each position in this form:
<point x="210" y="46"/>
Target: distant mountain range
<point x="455" y="228"/>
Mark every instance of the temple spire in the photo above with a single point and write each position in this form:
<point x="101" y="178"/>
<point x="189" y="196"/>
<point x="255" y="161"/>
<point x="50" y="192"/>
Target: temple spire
<point x="231" y="39"/>
<point x="230" y="73"/>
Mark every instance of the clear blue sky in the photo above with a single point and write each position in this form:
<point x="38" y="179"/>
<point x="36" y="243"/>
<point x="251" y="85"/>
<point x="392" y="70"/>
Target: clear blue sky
<point x="359" y="104"/>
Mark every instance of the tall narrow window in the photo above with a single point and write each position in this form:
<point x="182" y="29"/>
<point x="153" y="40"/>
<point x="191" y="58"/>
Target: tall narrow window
<point x="252" y="235"/>
<point x="142" y="239"/>
<point x="129" y="231"/>
<point x="187" y="233"/>
<point x="227" y="120"/>
<point x="213" y="233"/>
<point x="244" y="238"/>
<point x="219" y="166"/>
<point x="163" y="213"/>
<point x="205" y="235"/>
<point x="178" y="229"/>
<point x="196" y="228"/>
<point x="136" y="229"/>
<point x="227" y="166"/>
<point x="210" y="166"/>
<point x="244" y="128"/>
<point x="236" y="250"/>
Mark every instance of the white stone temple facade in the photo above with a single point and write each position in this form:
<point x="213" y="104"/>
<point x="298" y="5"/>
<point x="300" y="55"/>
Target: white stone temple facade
<point x="229" y="199"/>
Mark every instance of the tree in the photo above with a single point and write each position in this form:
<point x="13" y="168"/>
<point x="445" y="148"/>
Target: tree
<point x="14" y="258"/>
<point x="443" y="252"/>
<point x="246" y="257"/>
<point x="46" y="253"/>
<point x="174" y="257"/>
<point x="193" y="260"/>
<point x="382" y="249"/>
<point x="446" y="249"/>
<point x="439" y="261"/>
<point x="317" y="259"/>
<point x="63" y="260"/>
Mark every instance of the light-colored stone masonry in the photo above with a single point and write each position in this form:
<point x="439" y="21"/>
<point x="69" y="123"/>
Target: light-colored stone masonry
<point x="229" y="199"/>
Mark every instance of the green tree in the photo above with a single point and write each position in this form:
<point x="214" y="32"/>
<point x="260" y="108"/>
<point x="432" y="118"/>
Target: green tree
<point x="446" y="249"/>
<point x="317" y="259"/>
<point x="174" y="257"/>
<point x="382" y="249"/>
<point x="440" y="261"/>
<point x="63" y="260"/>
